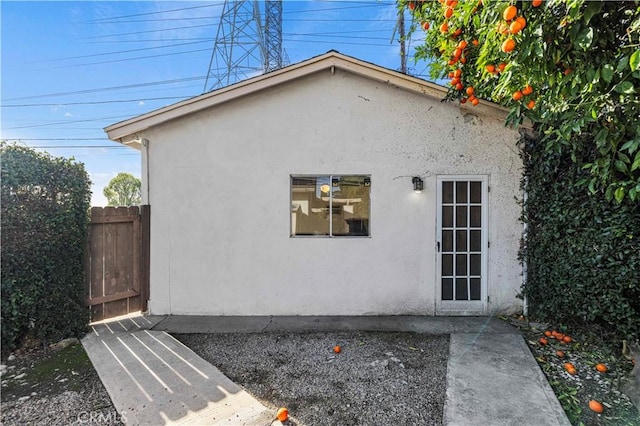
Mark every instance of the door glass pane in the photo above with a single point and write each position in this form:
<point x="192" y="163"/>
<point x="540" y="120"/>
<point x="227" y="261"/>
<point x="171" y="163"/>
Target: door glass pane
<point x="475" y="267"/>
<point x="447" y="289"/>
<point x="350" y="205"/>
<point x="476" y="216"/>
<point x="461" y="289"/>
<point x="447" y="216"/>
<point x="474" y="288"/>
<point x="461" y="216"/>
<point x="461" y="240"/>
<point x="310" y="205"/>
<point x="461" y="192"/>
<point x="475" y="240"/>
<point x="447" y="192"/>
<point x="447" y="241"/>
<point x="475" y="192"/>
<point x="447" y="265"/>
<point x="461" y="264"/>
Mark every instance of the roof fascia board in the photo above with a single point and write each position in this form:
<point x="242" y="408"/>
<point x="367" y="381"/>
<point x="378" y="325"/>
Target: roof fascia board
<point x="123" y="130"/>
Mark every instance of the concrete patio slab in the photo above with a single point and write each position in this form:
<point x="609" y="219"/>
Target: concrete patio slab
<point x="153" y="379"/>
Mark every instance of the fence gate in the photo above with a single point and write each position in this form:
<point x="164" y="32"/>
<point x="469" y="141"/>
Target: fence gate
<point x="117" y="265"/>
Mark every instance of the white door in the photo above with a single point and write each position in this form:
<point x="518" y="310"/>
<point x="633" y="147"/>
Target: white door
<point x="462" y="245"/>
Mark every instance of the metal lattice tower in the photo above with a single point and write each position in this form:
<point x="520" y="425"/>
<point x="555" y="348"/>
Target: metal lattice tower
<point x="244" y="46"/>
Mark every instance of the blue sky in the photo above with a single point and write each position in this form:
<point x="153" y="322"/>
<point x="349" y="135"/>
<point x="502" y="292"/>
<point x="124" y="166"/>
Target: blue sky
<point x="68" y="69"/>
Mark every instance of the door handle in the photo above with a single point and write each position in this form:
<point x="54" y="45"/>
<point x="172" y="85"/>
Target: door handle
<point x="438" y="246"/>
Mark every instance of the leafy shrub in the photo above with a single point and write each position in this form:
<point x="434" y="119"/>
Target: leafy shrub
<point x="45" y="205"/>
<point x="582" y="251"/>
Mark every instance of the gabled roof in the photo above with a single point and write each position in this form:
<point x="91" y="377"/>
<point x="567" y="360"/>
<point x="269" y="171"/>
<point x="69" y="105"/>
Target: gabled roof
<point x="126" y="131"/>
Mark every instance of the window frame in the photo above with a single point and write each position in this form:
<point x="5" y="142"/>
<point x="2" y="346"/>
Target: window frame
<point x="330" y="177"/>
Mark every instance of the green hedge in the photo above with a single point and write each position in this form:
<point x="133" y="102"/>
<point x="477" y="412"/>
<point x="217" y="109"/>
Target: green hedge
<point x="582" y="252"/>
<point x="45" y="205"/>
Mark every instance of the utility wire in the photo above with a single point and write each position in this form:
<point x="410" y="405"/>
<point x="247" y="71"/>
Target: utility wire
<point x="113" y="101"/>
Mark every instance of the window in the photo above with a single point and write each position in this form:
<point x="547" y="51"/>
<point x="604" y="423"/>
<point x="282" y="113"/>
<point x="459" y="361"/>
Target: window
<point x="333" y="206"/>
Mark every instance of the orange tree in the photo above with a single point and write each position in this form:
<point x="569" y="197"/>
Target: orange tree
<point x="570" y="66"/>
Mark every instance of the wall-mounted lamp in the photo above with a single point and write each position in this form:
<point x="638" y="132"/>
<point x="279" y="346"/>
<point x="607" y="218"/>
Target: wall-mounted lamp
<point x="418" y="184"/>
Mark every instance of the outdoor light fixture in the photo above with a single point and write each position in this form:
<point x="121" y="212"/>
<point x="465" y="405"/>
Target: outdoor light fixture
<point x="418" y="184"/>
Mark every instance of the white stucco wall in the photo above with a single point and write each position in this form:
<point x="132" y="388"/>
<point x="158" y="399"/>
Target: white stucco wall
<point x="219" y="189"/>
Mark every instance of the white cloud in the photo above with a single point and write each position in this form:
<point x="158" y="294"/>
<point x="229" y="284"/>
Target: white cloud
<point x="68" y="114"/>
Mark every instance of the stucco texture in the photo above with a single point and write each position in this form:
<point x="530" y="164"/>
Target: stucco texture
<point x="219" y="189"/>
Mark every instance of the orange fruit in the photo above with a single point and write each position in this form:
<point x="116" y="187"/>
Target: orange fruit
<point x="515" y="27"/>
<point x="572" y="371"/>
<point x="517" y="95"/>
<point x="543" y="341"/>
<point x="490" y="68"/>
<point x="601" y="368"/>
<point x="536" y="3"/>
<point x="463" y="60"/>
<point x="444" y="27"/>
<point x="502" y="66"/>
<point x="596" y="406"/>
<point x="450" y="75"/>
<point x="462" y="44"/>
<point x="522" y="21"/>
<point x="546" y="333"/>
<point x="470" y="90"/>
<point x="527" y="90"/>
<point x="448" y="12"/>
<point x="508" y="45"/>
<point x="412" y="5"/>
<point x="463" y="100"/>
<point x="282" y="414"/>
<point x="475" y="101"/>
<point x="568" y="365"/>
<point x="457" y="53"/>
<point x="560" y="354"/>
<point x="567" y="339"/>
<point x="502" y="28"/>
<point x="475" y="42"/>
<point x="531" y="105"/>
<point x="510" y="12"/>
<point x="568" y="71"/>
<point x="425" y="26"/>
<point x="457" y="32"/>
<point x="459" y="86"/>
<point x="337" y="349"/>
<point x="457" y="72"/>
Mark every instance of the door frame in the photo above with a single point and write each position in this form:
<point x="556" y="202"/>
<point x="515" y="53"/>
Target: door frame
<point x="445" y="307"/>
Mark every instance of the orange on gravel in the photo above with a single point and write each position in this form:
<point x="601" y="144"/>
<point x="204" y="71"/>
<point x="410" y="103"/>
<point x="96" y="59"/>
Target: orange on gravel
<point x="543" y="341"/>
<point x="572" y="371"/>
<point x="596" y="406"/>
<point x="568" y="365"/>
<point x="283" y="414"/>
<point x="601" y="368"/>
<point x="510" y="12"/>
<point x="337" y="349"/>
<point x="517" y="95"/>
<point x="508" y="45"/>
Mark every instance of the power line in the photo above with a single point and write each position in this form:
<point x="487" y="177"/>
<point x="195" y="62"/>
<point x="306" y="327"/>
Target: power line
<point x="155" y="13"/>
<point x="103" y="89"/>
<point x="95" y="102"/>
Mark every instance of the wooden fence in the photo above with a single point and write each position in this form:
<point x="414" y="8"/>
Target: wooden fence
<point x="117" y="266"/>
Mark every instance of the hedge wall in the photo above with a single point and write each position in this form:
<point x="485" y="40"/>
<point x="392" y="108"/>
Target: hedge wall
<point x="45" y="205"/>
<point x="582" y="252"/>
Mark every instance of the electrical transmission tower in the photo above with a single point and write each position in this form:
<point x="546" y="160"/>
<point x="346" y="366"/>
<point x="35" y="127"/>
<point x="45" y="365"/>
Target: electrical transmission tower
<point x="245" y="44"/>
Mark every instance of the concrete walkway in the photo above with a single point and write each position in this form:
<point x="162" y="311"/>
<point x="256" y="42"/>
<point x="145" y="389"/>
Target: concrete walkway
<point x="492" y="378"/>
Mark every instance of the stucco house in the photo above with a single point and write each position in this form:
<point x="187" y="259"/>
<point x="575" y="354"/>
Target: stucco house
<point x="330" y="187"/>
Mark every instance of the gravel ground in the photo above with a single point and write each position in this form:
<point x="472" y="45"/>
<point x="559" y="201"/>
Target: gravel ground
<point x="377" y="378"/>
